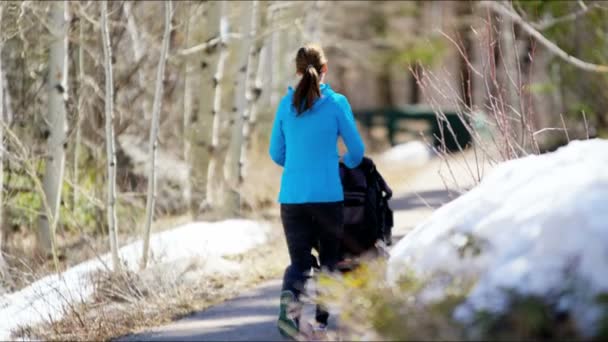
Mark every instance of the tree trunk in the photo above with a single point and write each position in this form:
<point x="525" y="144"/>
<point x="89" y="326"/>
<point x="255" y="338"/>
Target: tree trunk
<point x="3" y="266"/>
<point x="267" y="65"/>
<point x="276" y="74"/>
<point x="158" y="95"/>
<point x="213" y="171"/>
<point x="509" y="79"/>
<point x="78" y="138"/>
<point x="57" y="137"/>
<point x="313" y="22"/>
<point x="110" y="142"/>
<point x="254" y="86"/>
<point x="464" y="10"/>
<point x="187" y="107"/>
<point x="138" y="52"/>
<point x="385" y="94"/>
<point x="200" y="124"/>
<point x="247" y="65"/>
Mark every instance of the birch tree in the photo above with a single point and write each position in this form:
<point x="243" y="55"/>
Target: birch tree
<point x="3" y="267"/>
<point x="57" y="123"/>
<point x="255" y="82"/>
<point x="158" y="94"/>
<point x="78" y="138"/>
<point x="241" y="136"/>
<point x="245" y="49"/>
<point x="276" y="74"/>
<point x="187" y="105"/>
<point x="200" y="125"/>
<point x="110" y="142"/>
<point x="138" y="52"/>
<point x="213" y="171"/>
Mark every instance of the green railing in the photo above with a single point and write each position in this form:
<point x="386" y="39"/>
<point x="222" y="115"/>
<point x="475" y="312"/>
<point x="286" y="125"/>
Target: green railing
<point x="437" y="127"/>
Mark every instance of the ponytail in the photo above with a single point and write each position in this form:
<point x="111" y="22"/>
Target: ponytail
<point x="310" y="59"/>
<point x="307" y="90"/>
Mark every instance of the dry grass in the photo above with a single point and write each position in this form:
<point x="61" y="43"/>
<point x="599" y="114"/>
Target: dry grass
<point x="128" y="303"/>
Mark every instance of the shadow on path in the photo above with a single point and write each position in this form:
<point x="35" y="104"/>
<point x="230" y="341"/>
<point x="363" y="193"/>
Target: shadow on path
<point x="250" y="317"/>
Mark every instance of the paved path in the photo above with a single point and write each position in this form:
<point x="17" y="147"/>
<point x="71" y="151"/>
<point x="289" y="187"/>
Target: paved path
<point x="249" y="317"/>
<point x="252" y="316"/>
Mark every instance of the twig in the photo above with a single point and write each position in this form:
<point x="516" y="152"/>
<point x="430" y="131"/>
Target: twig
<point x="206" y="45"/>
<point x="586" y="124"/>
<point x="546" y="129"/>
<point x="548" y="23"/>
<point x="565" y="129"/>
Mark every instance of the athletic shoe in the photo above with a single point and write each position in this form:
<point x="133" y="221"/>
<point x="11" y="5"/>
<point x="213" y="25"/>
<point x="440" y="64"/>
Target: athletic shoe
<point x="289" y="315"/>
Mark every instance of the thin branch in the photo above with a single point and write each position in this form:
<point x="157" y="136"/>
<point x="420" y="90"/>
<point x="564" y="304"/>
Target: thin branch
<point x="550" y="22"/>
<point x="565" y="128"/>
<point x="199" y="47"/>
<point x="586" y="124"/>
<point x="462" y="52"/>
<point x="582" y="4"/>
<point x="552" y="47"/>
<point x="547" y="129"/>
<point x="206" y="45"/>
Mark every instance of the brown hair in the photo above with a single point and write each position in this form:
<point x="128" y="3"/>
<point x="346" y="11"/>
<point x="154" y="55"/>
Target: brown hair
<point x="310" y="60"/>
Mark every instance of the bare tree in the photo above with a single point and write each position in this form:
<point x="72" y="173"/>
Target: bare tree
<point x="247" y="62"/>
<point x="138" y="52"/>
<point x="80" y="110"/>
<point x="276" y="54"/>
<point x="187" y="105"/>
<point x="158" y="94"/>
<point x="200" y="125"/>
<point x="255" y="81"/>
<point x="3" y="267"/>
<point x="214" y="170"/>
<point x="56" y="121"/>
<point x="110" y="138"/>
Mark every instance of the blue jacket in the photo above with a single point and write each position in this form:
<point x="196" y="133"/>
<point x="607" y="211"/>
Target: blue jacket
<point x="306" y="147"/>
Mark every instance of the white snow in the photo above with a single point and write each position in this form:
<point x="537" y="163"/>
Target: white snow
<point x="414" y="153"/>
<point x="46" y="298"/>
<point x="541" y="223"/>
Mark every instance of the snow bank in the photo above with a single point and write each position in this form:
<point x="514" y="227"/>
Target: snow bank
<point x="540" y="225"/>
<point x="415" y="153"/>
<point x="46" y="298"/>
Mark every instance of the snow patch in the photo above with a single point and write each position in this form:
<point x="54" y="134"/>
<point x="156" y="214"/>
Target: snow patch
<point x="205" y="242"/>
<point x="414" y="153"/>
<point x="537" y="225"/>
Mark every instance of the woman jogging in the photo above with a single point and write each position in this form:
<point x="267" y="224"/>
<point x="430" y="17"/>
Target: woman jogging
<point x="304" y="138"/>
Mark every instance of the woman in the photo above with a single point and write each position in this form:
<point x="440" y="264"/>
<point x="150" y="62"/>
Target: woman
<point x="304" y="138"/>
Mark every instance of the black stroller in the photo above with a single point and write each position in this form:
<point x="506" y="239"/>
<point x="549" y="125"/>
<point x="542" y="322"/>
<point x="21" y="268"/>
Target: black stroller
<point x="368" y="219"/>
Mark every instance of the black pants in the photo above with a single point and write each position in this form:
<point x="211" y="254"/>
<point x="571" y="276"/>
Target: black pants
<point x="308" y="226"/>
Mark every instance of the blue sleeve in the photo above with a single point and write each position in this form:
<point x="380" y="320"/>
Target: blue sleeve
<point x="277" y="138"/>
<point x="348" y="131"/>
